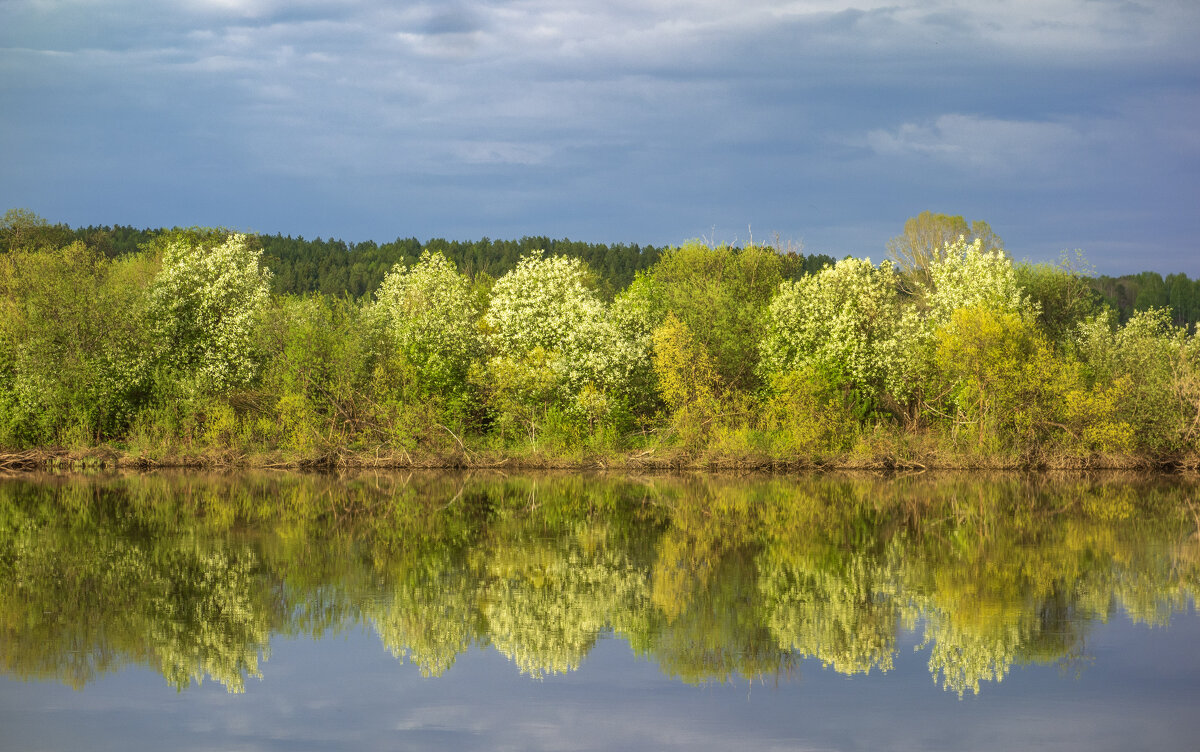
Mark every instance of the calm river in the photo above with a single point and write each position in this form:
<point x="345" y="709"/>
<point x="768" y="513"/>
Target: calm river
<point x="282" y="611"/>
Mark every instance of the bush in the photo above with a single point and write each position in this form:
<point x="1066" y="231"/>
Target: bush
<point x="721" y="295"/>
<point x="1009" y="389"/>
<point x="807" y="415"/>
<point x="1155" y="365"/>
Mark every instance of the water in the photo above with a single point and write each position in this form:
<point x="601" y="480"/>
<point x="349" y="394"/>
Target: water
<point x="283" y="611"/>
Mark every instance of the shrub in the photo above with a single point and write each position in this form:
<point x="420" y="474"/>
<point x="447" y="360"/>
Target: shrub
<point x="75" y="360"/>
<point x="720" y="294"/>
<point x="1155" y="365"/>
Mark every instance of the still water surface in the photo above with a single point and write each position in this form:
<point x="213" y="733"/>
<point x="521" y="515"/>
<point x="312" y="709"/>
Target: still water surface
<point x="395" y="611"/>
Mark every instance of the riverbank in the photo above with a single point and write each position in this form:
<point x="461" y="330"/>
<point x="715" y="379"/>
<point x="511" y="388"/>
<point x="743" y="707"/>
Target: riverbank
<point x="658" y="459"/>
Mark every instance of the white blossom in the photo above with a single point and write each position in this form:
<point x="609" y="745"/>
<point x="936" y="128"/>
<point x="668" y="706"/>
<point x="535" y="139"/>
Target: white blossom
<point x="204" y="304"/>
<point x="841" y="320"/>
<point x="431" y="316"/>
<point x="546" y="303"/>
<point x="966" y="275"/>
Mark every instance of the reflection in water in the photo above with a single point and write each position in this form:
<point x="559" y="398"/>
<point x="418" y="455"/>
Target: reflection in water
<point x="707" y="576"/>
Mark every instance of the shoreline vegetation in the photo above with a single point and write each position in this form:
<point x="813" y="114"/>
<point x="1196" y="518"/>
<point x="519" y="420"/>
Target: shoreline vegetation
<point x="946" y="356"/>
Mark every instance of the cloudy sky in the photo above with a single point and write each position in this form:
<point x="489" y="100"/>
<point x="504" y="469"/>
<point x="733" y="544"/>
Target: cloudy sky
<point x="1066" y="124"/>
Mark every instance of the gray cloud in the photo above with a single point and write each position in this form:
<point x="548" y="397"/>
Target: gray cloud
<point x="648" y="121"/>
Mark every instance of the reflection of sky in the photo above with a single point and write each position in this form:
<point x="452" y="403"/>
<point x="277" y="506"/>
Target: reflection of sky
<point x="1138" y="690"/>
<point x="1064" y="123"/>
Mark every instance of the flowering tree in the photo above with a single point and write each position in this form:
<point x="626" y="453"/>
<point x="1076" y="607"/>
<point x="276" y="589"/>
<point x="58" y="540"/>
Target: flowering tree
<point x="967" y="275"/>
<point x="204" y="304"/>
<point x="556" y="347"/>
<point x="841" y="321"/>
<point x="430" y="315"/>
<point x="547" y="303"/>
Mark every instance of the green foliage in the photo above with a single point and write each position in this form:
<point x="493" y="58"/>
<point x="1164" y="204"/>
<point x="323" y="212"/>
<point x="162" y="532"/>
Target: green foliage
<point x="1133" y="292"/>
<point x="686" y="373"/>
<point x="991" y="361"/>
<point x="521" y="391"/>
<point x="964" y="275"/>
<point x="1008" y="386"/>
<point x="688" y="382"/>
<point x="74" y="360"/>
<point x="1062" y="295"/>
<point x="335" y="267"/>
<point x="721" y="295"/>
<point x="315" y="389"/>
<point x="1155" y="365"/>
<point x="23" y="230"/>
<point x="808" y="414"/>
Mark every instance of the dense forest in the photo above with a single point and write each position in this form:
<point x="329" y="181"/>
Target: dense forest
<point x="337" y="268"/>
<point x="184" y="345"/>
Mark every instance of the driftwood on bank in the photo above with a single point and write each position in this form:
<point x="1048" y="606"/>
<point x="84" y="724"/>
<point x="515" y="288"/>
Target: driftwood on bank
<point x="31" y="459"/>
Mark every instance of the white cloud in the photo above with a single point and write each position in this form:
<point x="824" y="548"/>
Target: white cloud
<point x="707" y="110"/>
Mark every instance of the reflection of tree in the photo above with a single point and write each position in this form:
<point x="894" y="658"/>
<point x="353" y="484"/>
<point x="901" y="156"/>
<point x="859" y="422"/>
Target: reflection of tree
<point x="962" y="658"/>
<point x="709" y="577"/>
<point x="430" y="616"/>
<point x="546" y="606"/>
<point x="75" y="606"/>
<point x="845" y="616"/>
<point x="718" y="628"/>
<point x="204" y="621"/>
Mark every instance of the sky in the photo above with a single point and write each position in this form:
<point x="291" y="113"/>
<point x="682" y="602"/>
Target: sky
<point x="820" y="125"/>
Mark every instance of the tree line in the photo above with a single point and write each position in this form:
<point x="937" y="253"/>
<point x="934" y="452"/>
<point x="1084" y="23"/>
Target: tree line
<point x="347" y="269"/>
<point x="951" y="353"/>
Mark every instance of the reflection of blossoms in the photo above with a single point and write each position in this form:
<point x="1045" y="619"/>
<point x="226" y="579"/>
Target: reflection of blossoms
<point x="430" y="617"/>
<point x="962" y="657"/>
<point x="546" y="609"/>
<point x="205" y="621"/>
<point x="840" y="617"/>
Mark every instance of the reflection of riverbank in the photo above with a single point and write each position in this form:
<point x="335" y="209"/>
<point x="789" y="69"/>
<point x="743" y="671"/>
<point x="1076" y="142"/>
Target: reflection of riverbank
<point x="709" y="577"/>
